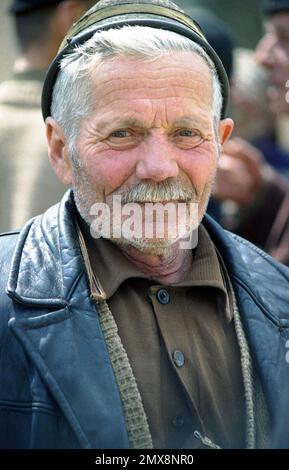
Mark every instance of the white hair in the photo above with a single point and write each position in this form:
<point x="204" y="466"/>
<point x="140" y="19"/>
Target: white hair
<point x="71" y="98"/>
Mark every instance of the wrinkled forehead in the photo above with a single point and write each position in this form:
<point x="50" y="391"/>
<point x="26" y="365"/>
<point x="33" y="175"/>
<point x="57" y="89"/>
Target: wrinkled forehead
<point x="168" y="88"/>
<point x="175" y="69"/>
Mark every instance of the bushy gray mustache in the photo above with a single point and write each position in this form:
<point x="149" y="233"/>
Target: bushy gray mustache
<point x="159" y="192"/>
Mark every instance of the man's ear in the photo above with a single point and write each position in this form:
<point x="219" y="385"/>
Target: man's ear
<point x="225" y="130"/>
<point x="57" y="151"/>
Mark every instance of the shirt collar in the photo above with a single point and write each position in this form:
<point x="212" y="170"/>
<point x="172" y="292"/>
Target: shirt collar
<point x="112" y="268"/>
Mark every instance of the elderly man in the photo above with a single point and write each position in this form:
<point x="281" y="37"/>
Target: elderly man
<point x="114" y="339"/>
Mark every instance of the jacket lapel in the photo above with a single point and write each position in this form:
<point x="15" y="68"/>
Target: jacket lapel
<point x="62" y="336"/>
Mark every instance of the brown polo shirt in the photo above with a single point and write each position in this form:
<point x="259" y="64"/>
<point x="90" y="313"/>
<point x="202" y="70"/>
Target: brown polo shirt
<point x="181" y="343"/>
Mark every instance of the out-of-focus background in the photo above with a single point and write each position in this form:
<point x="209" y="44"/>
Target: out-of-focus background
<point x="242" y="15"/>
<point x="8" y="44"/>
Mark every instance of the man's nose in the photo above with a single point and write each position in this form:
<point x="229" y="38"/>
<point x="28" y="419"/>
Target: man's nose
<point x="157" y="161"/>
<point x="265" y="51"/>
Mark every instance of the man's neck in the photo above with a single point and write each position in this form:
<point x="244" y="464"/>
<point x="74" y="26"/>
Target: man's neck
<point x="170" y="268"/>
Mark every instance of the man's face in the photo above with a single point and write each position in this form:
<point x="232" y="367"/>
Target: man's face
<point x="150" y="136"/>
<point x="273" y="53"/>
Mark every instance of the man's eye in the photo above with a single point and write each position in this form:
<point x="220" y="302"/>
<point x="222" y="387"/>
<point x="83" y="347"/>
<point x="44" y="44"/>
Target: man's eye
<point x="121" y="133"/>
<point x="189" y="137"/>
<point x="187" y="133"/>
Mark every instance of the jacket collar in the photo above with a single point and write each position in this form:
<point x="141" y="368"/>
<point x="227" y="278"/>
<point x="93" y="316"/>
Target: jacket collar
<point x="47" y="261"/>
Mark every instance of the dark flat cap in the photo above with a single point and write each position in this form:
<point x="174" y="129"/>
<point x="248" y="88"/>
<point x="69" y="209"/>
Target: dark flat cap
<point x="275" y="6"/>
<point x="111" y="14"/>
<point x="23" y="6"/>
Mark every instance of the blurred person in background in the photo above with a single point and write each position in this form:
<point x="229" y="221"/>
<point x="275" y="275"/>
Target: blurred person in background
<point x="249" y="175"/>
<point x="249" y="104"/>
<point x="27" y="183"/>
<point x="254" y="117"/>
<point x="273" y="55"/>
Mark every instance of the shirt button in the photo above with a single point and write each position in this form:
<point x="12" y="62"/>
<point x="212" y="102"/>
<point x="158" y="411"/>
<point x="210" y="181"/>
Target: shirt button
<point x="178" y="421"/>
<point x="163" y="296"/>
<point x="178" y="358"/>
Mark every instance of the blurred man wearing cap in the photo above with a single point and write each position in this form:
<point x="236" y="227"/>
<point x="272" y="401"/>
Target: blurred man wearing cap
<point x="273" y="52"/>
<point x="27" y="184"/>
<point x="114" y="336"/>
<point x="244" y="176"/>
<point x="267" y="224"/>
